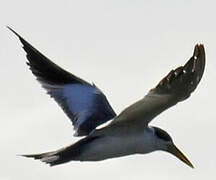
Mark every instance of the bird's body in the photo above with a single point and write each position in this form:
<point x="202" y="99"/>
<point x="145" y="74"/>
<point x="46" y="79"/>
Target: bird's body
<point x="115" y="144"/>
<point x="110" y="146"/>
<point x="105" y="144"/>
<point x="87" y="107"/>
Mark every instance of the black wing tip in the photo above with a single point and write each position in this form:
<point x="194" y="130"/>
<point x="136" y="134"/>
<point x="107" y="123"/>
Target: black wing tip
<point x="199" y="50"/>
<point x="14" y="32"/>
<point x="199" y="53"/>
<point x="23" y="41"/>
<point x="199" y="45"/>
<point x="191" y="73"/>
<point x="197" y="61"/>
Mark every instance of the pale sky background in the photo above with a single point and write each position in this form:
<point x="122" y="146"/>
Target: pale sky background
<point x="125" y="47"/>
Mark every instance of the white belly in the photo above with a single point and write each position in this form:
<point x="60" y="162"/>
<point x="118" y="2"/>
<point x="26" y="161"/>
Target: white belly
<point x="114" y="146"/>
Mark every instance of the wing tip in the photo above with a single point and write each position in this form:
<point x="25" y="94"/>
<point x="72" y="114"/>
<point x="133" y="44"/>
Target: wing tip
<point x="13" y="31"/>
<point x="199" y="59"/>
<point x="195" y="65"/>
<point x="199" y="49"/>
<point x="23" y="41"/>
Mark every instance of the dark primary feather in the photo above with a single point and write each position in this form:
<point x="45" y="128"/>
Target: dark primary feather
<point x="175" y="87"/>
<point x="44" y="69"/>
<point x="84" y="104"/>
<point x="182" y="81"/>
<point x="178" y="85"/>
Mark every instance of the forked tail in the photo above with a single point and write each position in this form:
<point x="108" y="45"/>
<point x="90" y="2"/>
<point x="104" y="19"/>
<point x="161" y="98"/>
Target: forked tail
<point x="63" y="155"/>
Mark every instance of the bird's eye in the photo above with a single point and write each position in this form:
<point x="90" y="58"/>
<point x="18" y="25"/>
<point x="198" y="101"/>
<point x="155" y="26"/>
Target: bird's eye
<point x="162" y="134"/>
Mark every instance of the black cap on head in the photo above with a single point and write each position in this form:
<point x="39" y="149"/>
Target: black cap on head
<point x="160" y="133"/>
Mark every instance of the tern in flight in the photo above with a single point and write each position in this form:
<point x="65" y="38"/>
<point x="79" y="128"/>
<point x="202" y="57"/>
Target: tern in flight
<point x="87" y="107"/>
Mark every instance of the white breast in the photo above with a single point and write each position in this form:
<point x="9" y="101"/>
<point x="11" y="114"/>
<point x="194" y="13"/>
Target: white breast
<point x="117" y="146"/>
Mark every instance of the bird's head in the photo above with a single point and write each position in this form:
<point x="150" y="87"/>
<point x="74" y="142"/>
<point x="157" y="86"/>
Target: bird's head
<point x="164" y="142"/>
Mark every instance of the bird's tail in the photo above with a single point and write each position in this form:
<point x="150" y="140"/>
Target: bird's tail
<point x="63" y="155"/>
<point x="51" y="158"/>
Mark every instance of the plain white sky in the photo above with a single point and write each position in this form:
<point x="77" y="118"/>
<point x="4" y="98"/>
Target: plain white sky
<point x="125" y="47"/>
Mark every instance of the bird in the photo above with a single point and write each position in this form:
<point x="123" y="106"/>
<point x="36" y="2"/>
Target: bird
<point x="87" y="107"/>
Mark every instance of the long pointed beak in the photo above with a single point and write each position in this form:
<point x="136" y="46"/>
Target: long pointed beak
<point x="176" y="152"/>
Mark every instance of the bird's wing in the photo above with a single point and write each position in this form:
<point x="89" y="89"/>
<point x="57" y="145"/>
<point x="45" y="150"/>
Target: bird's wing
<point x="175" y="87"/>
<point x="84" y="104"/>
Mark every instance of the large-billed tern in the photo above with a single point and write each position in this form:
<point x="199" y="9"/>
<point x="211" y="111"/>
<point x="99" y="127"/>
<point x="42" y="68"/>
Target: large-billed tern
<point x="87" y="107"/>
